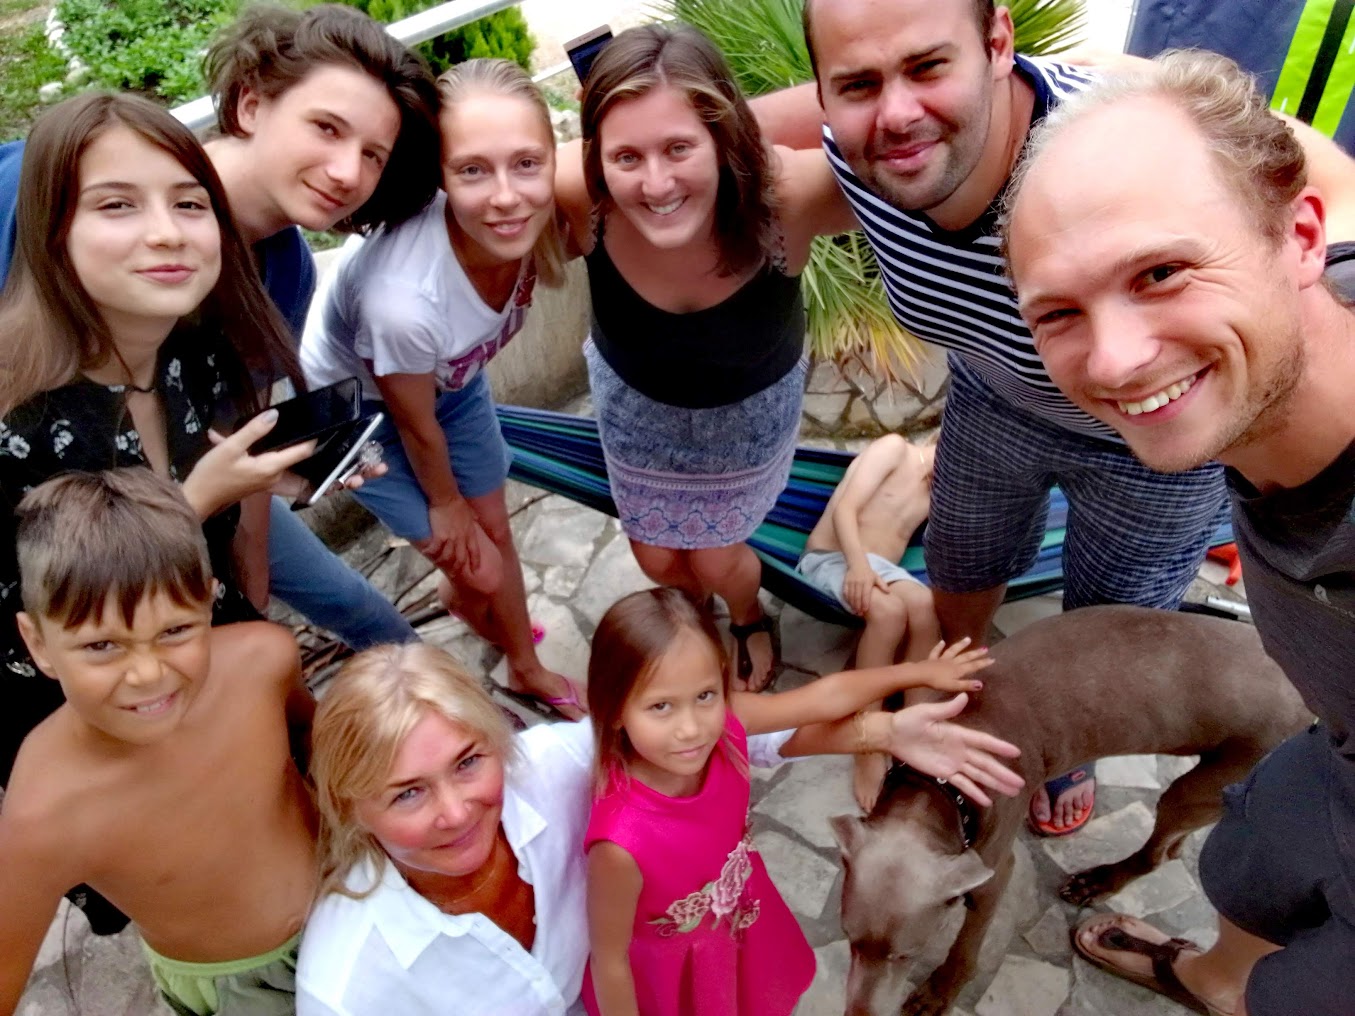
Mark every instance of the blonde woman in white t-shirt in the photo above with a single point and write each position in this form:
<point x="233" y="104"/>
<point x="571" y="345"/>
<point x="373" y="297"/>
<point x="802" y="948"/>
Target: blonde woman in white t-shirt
<point x="417" y="311"/>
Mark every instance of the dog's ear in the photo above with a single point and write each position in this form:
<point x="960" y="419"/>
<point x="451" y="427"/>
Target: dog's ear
<point x="965" y="874"/>
<point x="847" y="830"/>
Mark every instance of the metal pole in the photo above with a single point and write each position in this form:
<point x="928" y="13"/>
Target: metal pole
<point x="418" y="28"/>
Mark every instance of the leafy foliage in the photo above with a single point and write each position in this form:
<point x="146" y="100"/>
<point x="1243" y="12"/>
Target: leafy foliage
<point x="501" y="34"/>
<point x="849" y="315"/>
<point x="149" y="46"/>
<point x="26" y="64"/>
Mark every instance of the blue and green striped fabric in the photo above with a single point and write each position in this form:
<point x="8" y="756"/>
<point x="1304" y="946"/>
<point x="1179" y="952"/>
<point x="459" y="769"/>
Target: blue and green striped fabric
<point x="562" y="454"/>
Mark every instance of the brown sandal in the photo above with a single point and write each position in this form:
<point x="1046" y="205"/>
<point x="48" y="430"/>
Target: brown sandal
<point x="1162" y="955"/>
<point x="744" y="659"/>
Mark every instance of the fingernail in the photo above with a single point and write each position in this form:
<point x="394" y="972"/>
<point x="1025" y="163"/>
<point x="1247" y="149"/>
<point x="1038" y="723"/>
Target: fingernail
<point x="983" y="649"/>
<point x="269" y="414"/>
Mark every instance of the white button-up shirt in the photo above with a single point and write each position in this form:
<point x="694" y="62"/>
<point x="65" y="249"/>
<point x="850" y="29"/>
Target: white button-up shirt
<point x="393" y="953"/>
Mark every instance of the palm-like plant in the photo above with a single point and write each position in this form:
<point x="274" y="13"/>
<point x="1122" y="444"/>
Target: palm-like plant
<point x="849" y="315"/>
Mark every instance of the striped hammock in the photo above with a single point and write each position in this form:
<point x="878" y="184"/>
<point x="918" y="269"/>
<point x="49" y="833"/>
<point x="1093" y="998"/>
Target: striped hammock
<point x="562" y="454"/>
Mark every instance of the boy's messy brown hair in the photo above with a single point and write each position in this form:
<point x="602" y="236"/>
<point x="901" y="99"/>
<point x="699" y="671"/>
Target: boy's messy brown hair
<point x="122" y="533"/>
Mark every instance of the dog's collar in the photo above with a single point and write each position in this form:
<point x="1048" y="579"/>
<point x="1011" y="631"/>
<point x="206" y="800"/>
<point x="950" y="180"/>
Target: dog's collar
<point x="901" y="772"/>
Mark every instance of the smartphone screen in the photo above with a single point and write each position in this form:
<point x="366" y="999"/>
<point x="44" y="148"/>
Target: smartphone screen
<point x="312" y="414"/>
<point x="585" y="49"/>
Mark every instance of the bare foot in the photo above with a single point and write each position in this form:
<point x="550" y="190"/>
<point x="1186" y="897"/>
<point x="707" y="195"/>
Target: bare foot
<point x="1068" y="810"/>
<point x="557" y="691"/>
<point x="760" y="651"/>
<point x="1117" y="943"/>
<point x="868" y="776"/>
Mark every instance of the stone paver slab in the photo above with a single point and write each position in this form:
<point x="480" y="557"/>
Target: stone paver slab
<point x="803" y="877"/>
<point x="1025" y="987"/>
<point x="815" y="790"/>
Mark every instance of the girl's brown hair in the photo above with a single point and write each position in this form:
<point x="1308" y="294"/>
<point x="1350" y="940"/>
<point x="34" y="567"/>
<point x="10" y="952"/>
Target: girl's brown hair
<point x="362" y="720"/>
<point x="642" y="59"/>
<point x="486" y="76"/>
<point x="50" y="329"/>
<point x="633" y="636"/>
<point x="268" y="49"/>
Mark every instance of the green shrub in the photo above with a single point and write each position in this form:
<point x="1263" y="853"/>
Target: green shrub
<point x="26" y="64"/>
<point x="501" y="34"/>
<point x="148" y="46"/>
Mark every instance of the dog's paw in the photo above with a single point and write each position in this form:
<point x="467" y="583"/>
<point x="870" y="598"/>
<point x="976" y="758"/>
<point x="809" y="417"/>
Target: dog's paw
<point x="928" y="1000"/>
<point x="1087" y="887"/>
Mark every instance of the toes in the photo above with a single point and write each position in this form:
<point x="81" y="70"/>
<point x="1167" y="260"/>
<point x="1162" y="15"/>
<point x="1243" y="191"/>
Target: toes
<point x="1039" y="806"/>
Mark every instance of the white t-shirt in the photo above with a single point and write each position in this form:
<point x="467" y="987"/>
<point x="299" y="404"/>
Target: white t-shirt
<point x="393" y="953"/>
<point x="401" y="301"/>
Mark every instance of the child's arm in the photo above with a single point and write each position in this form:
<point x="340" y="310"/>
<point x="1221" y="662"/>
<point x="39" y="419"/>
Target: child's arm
<point x="923" y="737"/>
<point x="859" y="484"/>
<point x="614" y="884"/>
<point x="843" y="694"/>
<point x="30" y="873"/>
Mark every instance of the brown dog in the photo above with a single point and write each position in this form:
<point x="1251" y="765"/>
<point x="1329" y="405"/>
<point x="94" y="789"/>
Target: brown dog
<point x="1140" y="682"/>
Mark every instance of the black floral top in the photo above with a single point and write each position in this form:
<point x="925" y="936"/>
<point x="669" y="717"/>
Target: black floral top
<point x="86" y="426"/>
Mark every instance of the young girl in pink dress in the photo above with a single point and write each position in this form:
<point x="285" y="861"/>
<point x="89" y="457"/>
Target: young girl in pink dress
<point x="683" y="918"/>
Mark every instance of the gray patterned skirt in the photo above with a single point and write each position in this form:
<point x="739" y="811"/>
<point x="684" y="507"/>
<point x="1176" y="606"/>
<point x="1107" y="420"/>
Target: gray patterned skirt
<point x="692" y="479"/>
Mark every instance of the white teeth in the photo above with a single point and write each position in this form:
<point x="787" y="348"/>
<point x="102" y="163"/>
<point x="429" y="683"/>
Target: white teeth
<point x="1155" y="402"/>
<point x="667" y="209"/>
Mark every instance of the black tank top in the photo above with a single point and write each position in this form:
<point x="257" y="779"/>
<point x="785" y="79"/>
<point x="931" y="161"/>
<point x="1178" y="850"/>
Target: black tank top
<point x="704" y="358"/>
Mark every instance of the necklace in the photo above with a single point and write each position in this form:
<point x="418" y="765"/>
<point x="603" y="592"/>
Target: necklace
<point x="489" y="869"/>
<point x="131" y="384"/>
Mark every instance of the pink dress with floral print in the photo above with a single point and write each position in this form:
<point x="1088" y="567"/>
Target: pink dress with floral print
<point x="712" y="935"/>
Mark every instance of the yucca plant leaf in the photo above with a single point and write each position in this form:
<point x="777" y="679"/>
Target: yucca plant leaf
<point x="849" y="315"/>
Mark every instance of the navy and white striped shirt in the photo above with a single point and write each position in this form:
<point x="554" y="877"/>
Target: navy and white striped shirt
<point x="951" y="288"/>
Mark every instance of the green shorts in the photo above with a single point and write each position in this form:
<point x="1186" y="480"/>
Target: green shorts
<point x="260" y="986"/>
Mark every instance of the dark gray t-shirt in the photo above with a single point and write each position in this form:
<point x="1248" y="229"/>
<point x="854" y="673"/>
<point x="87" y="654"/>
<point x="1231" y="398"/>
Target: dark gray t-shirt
<point x="1298" y="553"/>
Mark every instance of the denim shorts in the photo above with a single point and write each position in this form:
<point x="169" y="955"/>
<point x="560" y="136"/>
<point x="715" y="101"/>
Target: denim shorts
<point x="1277" y="867"/>
<point x="480" y="459"/>
<point x="1133" y="535"/>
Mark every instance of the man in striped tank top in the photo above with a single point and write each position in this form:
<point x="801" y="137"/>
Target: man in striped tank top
<point x="927" y="108"/>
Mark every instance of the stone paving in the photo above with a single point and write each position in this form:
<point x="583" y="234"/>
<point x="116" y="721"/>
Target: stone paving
<point x="577" y="563"/>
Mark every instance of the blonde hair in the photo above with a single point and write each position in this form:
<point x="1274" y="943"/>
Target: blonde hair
<point x="362" y="721"/>
<point x="486" y="76"/>
<point x="1256" y="153"/>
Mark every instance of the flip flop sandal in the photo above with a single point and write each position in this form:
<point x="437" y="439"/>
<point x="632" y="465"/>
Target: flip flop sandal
<point x="1163" y="978"/>
<point x="744" y="659"/>
<point x="548" y="705"/>
<point x="1055" y="788"/>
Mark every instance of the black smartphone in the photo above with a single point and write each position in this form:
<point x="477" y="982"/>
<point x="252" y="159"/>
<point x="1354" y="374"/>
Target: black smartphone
<point x="585" y="49"/>
<point x="313" y="415"/>
<point x="335" y="460"/>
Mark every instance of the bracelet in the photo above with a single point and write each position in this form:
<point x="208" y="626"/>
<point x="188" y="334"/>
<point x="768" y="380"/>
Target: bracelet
<point x="862" y="745"/>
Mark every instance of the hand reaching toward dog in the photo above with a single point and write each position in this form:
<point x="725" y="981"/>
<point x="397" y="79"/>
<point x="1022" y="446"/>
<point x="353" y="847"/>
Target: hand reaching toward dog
<point x="924" y="737"/>
<point x="948" y="668"/>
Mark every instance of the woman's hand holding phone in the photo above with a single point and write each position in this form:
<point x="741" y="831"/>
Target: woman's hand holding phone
<point x="228" y="473"/>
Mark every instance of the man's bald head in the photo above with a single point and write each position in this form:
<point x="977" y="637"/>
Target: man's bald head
<point x="1254" y="151"/>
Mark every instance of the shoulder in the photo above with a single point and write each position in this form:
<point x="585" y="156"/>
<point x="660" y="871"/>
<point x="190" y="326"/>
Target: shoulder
<point x="45" y="809"/>
<point x="1052" y="79"/>
<point x="332" y="942"/>
<point x="258" y="651"/>
<point x="551" y="742"/>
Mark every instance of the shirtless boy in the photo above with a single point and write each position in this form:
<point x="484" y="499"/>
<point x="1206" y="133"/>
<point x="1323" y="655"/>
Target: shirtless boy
<point x="853" y="554"/>
<point x="166" y="780"/>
